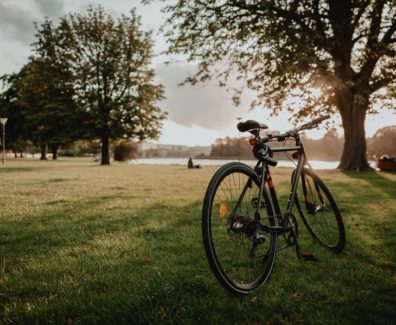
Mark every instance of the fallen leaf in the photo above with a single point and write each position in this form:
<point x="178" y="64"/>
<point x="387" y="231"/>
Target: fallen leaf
<point x="254" y="300"/>
<point x="162" y="310"/>
<point x="146" y="259"/>
<point x="385" y="227"/>
<point x="297" y="294"/>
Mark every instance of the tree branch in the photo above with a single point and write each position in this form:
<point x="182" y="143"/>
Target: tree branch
<point x="374" y="86"/>
<point x="375" y="26"/>
<point x="387" y="39"/>
<point x="373" y="48"/>
<point x="360" y="13"/>
<point x="293" y="17"/>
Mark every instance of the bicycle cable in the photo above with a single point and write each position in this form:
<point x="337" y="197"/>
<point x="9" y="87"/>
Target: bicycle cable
<point x="288" y="156"/>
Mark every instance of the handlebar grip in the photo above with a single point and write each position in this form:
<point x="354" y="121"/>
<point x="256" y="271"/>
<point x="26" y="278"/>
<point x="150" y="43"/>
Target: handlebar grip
<point x="312" y="123"/>
<point x="319" y="119"/>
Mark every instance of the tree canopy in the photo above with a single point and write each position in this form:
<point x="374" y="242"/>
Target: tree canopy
<point x="89" y="78"/>
<point x="48" y="108"/>
<point x="285" y="48"/>
<point x="17" y="132"/>
<point x="109" y="63"/>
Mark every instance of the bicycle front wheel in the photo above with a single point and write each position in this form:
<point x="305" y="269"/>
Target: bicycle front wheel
<point x="319" y="211"/>
<point x="240" y="248"/>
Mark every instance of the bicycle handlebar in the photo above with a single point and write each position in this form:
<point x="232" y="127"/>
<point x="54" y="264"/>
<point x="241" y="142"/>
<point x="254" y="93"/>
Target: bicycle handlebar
<point x="293" y="132"/>
<point x="312" y="123"/>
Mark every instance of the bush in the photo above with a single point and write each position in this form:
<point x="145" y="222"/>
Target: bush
<point x="125" y="151"/>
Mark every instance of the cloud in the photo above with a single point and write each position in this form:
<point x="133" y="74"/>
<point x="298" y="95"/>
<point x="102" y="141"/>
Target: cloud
<point x="16" y="23"/>
<point x="50" y="8"/>
<point x="207" y="106"/>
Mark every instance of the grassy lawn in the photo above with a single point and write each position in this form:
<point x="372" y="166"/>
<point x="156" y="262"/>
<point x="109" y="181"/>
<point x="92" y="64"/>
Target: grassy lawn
<point x="81" y="243"/>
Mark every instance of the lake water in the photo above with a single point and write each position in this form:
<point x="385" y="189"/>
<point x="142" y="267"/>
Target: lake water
<point x="316" y="164"/>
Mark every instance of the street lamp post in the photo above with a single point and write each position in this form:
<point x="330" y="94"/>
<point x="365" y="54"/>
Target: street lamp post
<point x="3" y="121"/>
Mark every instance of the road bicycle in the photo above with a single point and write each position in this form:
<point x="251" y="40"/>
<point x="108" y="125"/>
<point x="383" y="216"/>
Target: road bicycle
<point x="241" y="217"/>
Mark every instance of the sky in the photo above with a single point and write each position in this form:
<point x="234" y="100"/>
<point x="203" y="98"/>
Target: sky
<point x="198" y="115"/>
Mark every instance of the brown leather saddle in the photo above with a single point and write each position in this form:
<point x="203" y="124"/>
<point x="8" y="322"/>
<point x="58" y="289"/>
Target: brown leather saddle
<point x="251" y="125"/>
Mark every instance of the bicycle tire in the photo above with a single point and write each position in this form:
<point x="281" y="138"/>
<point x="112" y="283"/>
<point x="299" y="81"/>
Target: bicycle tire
<point x="226" y="248"/>
<point x="320" y="212"/>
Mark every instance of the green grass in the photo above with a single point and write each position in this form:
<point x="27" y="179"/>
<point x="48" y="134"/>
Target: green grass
<point x="81" y="243"/>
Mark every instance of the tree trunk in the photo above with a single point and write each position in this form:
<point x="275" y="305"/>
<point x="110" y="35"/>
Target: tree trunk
<point x="54" y="149"/>
<point x="44" y="149"/>
<point x="105" y="151"/>
<point x="353" y="114"/>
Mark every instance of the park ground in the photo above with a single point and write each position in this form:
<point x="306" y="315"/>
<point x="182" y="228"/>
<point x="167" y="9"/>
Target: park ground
<point x="82" y="243"/>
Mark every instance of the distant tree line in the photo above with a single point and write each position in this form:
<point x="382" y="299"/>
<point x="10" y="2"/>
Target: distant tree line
<point x="383" y="142"/>
<point x="88" y="79"/>
<point x="329" y="147"/>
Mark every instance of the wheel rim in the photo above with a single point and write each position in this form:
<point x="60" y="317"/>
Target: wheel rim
<point x="234" y="232"/>
<point x="319" y="212"/>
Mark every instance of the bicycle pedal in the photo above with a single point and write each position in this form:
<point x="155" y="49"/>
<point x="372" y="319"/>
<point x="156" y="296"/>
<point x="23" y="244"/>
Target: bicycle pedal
<point x="309" y="257"/>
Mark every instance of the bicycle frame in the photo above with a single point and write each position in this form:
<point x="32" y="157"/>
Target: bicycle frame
<point x="266" y="176"/>
<point x="263" y="170"/>
<point x="301" y="162"/>
<point x="280" y="219"/>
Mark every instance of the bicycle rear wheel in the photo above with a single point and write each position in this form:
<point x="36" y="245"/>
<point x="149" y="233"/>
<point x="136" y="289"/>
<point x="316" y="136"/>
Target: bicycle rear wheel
<point x="240" y="250"/>
<point x="319" y="211"/>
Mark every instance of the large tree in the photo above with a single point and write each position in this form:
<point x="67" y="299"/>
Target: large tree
<point x="39" y="103"/>
<point x="17" y="132"/>
<point x="285" y="48"/>
<point x="112" y="78"/>
<point x="49" y="111"/>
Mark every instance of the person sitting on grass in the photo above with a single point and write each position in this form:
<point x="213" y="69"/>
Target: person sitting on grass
<point x="190" y="164"/>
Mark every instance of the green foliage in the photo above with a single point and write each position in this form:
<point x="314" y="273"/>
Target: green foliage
<point x="89" y="78"/>
<point x="125" y="151"/>
<point x="285" y="48"/>
<point x="81" y="148"/>
<point x="326" y="148"/>
<point x="49" y="111"/>
<point x="112" y="81"/>
<point x="17" y="133"/>
<point x="232" y="147"/>
<point x="383" y="142"/>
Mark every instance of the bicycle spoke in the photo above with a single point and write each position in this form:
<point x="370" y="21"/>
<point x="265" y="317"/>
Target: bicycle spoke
<point x="236" y="259"/>
<point x="318" y="212"/>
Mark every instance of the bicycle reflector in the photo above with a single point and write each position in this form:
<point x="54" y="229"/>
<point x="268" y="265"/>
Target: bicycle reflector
<point x="253" y="141"/>
<point x="223" y="209"/>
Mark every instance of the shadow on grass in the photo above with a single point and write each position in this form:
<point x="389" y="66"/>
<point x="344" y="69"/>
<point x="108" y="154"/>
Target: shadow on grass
<point x="6" y="170"/>
<point x="376" y="180"/>
<point x="90" y="265"/>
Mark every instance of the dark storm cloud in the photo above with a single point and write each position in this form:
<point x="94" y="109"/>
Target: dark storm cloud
<point x="16" y="18"/>
<point x="206" y="106"/>
<point x="16" y="22"/>
<point x="50" y="8"/>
